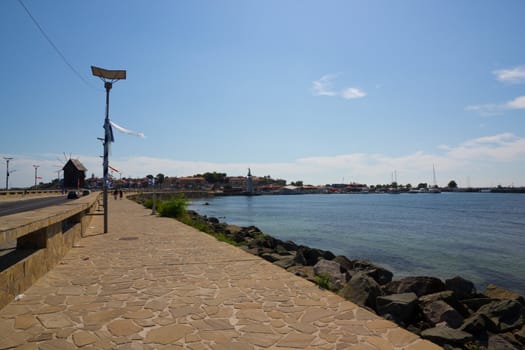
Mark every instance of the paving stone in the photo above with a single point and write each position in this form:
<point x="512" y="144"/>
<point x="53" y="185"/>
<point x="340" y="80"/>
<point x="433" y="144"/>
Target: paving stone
<point x="123" y="328"/>
<point x="139" y="314"/>
<point x="167" y="334"/>
<point x="84" y="338"/>
<point x="296" y="340"/>
<point x="58" y="344"/>
<point x="56" y="320"/>
<point x="25" y="321"/>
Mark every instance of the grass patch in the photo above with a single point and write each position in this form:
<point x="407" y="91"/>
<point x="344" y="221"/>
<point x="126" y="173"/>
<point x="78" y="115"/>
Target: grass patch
<point x="323" y="281"/>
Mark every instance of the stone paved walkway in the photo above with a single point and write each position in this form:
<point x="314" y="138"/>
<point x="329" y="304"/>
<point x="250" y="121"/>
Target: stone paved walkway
<point x="154" y="283"/>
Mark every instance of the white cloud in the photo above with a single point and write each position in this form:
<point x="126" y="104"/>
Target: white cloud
<point x="498" y="109"/>
<point x="513" y="75"/>
<point x="324" y="87"/>
<point x="351" y="93"/>
<point x="517" y="103"/>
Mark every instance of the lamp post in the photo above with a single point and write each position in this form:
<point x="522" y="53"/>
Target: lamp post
<point x="108" y="77"/>
<point x="36" y="173"/>
<point x="7" y="159"/>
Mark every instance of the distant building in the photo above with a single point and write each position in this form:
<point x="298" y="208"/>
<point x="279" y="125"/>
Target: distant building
<point x="74" y="174"/>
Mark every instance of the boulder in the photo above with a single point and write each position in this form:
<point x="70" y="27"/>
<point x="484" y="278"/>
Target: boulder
<point x="306" y="272"/>
<point x="503" y="342"/>
<point x="285" y="262"/>
<point x="345" y="263"/>
<point x="496" y="292"/>
<point x="378" y="273"/>
<point x="463" y="288"/>
<point x="213" y="220"/>
<point x="333" y="270"/>
<point x="310" y="256"/>
<point x="448" y="297"/>
<point x="439" y="311"/>
<point x="520" y="335"/>
<point x="446" y="336"/>
<point x="290" y="246"/>
<point x="475" y="303"/>
<point x="398" y="307"/>
<point x="281" y="250"/>
<point x="419" y="285"/>
<point x="476" y="324"/>
<point x="506" y="315"/>
<point x="362" y="290"/>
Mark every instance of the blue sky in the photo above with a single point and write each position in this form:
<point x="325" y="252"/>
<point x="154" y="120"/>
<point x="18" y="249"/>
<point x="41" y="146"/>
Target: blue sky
<point x="324" y="92"/>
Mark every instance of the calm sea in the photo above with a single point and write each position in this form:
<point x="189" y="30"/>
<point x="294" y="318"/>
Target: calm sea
<point x="479" y="236"/>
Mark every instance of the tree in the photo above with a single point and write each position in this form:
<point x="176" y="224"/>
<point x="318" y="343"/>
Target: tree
<point x="297" y="183"/>
<point x="452" y="184"/>
<point x="160" y="179"/>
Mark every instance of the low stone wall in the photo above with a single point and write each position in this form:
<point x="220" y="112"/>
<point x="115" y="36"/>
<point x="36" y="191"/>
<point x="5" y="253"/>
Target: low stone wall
<point x="36" y="241"/>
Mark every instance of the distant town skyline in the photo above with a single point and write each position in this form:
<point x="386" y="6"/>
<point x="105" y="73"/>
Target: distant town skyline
<point x="331" y="92"/>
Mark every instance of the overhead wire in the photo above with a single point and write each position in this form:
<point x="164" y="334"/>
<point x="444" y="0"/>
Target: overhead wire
<point x="57" y="50"/>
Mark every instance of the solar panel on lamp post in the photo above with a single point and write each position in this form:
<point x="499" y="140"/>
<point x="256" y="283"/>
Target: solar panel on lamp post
<point x="109" y="77"/>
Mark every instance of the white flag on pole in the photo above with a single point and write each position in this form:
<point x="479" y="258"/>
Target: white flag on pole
<point x="126" y="131"/>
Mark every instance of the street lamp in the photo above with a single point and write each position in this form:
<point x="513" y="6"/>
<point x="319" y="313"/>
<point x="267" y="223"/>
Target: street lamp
<point x="108" y="77"/>
<point x="7" y="159"/>
<point x="36" y="173"/>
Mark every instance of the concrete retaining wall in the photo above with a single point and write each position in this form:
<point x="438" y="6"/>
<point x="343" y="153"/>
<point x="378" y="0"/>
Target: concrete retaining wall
<point x="36" y="241"/>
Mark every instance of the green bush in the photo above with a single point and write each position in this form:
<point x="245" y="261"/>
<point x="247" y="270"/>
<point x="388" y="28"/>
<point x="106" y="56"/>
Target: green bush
<point x="323" y="280"/>
<point x="148" y="203"/>
<point x="175" y="207"/>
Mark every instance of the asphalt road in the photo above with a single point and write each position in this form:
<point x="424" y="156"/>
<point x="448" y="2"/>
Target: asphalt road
<point x="14" y="206"/>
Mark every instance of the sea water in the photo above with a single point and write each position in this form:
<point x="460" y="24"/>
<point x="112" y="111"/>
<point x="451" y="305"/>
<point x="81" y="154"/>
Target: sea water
<point x="479" y="236"/>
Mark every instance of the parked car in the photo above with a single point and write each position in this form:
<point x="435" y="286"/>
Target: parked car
<point x="72" y="195"/>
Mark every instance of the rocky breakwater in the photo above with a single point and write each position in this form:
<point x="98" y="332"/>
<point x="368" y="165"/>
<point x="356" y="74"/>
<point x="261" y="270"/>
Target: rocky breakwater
<point x="450" y="313"/>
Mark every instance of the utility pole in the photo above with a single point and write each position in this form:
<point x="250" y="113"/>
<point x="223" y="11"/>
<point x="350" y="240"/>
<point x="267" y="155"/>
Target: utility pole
<point x="36" y="173"/>
<point x="7" y="159"/>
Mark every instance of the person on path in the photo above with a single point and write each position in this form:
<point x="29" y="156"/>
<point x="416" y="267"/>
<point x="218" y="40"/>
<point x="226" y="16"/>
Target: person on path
<point x="115" y="193"/>
<point x="121" y="194"/>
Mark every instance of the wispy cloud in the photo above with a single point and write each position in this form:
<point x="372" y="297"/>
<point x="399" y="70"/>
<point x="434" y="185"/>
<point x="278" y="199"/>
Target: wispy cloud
<point x="351" y="93"/>
<point x="324" y="87"/>
<point x="514" y="75"/>
<point x="492" y="109"/>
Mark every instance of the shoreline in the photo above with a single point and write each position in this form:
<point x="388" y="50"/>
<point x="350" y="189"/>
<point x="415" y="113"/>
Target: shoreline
<point x="450" y="312"/>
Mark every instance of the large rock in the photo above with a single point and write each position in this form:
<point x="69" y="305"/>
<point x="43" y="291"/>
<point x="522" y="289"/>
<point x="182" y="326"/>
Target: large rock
<point x="310" y="256"/>
<point x="439" y="311"/>
<point x="506" y="315"/>
<point x="332" y="269"/>
<point x="496" y="292"/>
<point x="362" y="290"/>
<point x="463" y="288"/>
<point x="475" y="303"/>
<point x="398" y="307"/>
<point x="448" y="297"/>
<point x="476" y="324"/>
<point x="419" y="285"/>
<point x="345" y="263"/>
<point x="503" y="342"/>
<point x="378" y="273"/>
<point x="446" y="336"/>
<point x="520" y="335"/>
